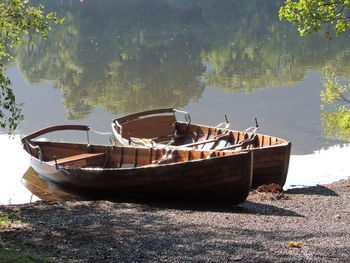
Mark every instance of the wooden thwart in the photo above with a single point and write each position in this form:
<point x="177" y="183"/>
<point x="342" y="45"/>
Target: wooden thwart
<point x="77" y="160"/>
<point x="270" y="150"/>
<point x="140" y="172"/>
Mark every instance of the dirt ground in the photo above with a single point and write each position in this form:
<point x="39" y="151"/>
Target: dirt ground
<point x="258" y="230"/>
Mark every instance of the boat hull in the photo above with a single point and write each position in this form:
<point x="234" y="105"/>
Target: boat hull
<point x="224" y="179"/>
<point x="271" y="154"/>
<point x="270" y="165"/>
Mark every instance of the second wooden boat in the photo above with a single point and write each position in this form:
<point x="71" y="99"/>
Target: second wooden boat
<point x="143" y="172"/>
<point x="160" y="127"/>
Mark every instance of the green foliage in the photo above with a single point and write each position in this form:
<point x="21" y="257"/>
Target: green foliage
<point x="10" y="256"/>
<point x="11" y="253"/>
<point x="335" y="117"/>
<point x="17" y="18"/>
<point x="336" y="123"/>
<point x="310" y="15"/>
<point x="333" y="89"/>
<point x="10" y="112"/>
<point x="7" y="219"/>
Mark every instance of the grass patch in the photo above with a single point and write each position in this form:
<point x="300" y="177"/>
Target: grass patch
<point x="3" y="244"/>
<point x="29" y="242"/>
<point x="8" y="256"/>
<point x="10" y="253"/>
<point x="7" y="219"/>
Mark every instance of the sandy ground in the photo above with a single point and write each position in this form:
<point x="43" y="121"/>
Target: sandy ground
<point x="258" y="230"/>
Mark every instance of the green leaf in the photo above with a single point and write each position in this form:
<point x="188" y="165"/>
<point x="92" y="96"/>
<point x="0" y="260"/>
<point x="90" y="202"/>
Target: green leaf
<point x="310" y="15"/>
<point x="17" y="18"/>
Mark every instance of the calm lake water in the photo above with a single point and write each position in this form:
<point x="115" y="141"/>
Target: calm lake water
<point x="206" y="57"/>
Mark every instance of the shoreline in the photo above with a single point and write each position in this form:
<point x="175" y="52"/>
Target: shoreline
<point x="322" y="166"/>
<point x="258" y="230"/>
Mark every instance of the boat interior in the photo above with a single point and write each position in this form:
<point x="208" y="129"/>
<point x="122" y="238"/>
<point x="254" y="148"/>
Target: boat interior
<point x="85" y="155"/>
<point x="155" y="127"/>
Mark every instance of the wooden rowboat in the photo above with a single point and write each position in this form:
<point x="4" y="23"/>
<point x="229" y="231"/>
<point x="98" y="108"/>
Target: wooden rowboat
<point x="161" y="127"/>
<point x="145" y="172"/>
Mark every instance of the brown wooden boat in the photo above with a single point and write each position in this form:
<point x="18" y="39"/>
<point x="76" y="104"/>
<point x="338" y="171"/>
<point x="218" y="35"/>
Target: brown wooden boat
<point x="145" y="172"/>
<point x="161" y="127"/>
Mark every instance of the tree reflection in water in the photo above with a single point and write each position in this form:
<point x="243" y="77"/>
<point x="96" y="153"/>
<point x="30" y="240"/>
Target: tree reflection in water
<point x="127" y="56"/>
<point x="336" y="108"/>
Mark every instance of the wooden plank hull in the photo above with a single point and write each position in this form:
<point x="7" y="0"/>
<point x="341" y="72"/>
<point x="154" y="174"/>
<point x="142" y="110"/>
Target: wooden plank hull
<point x="271" y="154"/>
<point x="192" y="175"/>
<point x="271" y="165"/>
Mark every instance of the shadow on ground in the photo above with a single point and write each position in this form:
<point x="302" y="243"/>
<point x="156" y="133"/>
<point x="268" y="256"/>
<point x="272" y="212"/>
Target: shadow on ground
<point x="117" y="232"/>
<point x="313" y="190"/>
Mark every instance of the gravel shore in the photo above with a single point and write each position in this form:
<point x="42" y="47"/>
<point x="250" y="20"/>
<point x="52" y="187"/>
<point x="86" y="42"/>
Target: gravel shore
<point x="258" y="230"/>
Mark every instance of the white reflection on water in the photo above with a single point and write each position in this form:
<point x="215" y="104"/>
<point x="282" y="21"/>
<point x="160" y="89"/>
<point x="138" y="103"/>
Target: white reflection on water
<point x="13" y="165"/>
<point x="321" y="167"/>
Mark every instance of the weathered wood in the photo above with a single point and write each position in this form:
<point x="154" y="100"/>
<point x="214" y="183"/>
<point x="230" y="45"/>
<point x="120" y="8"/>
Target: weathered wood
<point x="82" y="159"/>
<point x="151" y="127"/>
<point x="267" y="149"/>
<point x="121" y="120"/>
<point x="186" y="173"/>
<point x="53" y="129"/>
<point x="215" y="139"/>
<point x="244" y="144"/>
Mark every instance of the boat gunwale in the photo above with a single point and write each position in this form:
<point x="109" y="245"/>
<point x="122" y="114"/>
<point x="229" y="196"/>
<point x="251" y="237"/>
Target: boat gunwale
<point x="242" y="132"/>
<point x="266" y="144"/>
<point x="148" y="113"/>
<point x="150" y="166"/>
<point x="282" y="141"/>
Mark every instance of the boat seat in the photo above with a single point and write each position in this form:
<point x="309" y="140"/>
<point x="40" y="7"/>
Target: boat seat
<point x="150" y="127"/>
<point x="82" y="159"/>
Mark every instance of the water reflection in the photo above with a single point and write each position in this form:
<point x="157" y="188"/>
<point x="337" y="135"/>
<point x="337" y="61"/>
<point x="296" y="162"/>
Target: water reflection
<point x="335" y="115"/>
<point x="321" y="167"/>
<point x="47" y="190"/>
<point x="13" y="165"/>
<point x="43" y="189"/>
<point x="120" y="56"/>
<point x="127" y="56"/>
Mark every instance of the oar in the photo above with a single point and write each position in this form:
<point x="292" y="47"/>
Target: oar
<point x="219" y="137"/>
